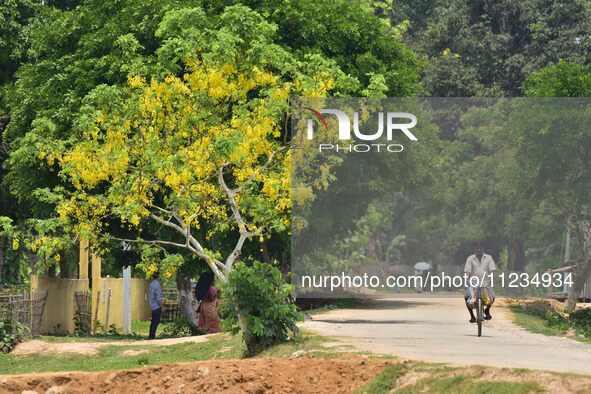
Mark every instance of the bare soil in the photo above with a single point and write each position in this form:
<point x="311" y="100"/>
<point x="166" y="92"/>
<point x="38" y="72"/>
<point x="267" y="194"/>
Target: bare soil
<point x="268" y="375"/>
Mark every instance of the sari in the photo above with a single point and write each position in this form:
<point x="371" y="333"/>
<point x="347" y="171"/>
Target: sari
<point x="208" y="318"/>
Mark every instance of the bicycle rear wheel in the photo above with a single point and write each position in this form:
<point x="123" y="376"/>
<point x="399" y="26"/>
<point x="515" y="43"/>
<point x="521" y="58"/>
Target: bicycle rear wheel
<point x="479" y="317"/>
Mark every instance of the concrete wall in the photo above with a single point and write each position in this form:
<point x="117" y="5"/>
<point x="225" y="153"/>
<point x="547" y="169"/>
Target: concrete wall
<point x="58" y="317"/>
<point x="140" y="308"/>
<point x="60" y="308"/>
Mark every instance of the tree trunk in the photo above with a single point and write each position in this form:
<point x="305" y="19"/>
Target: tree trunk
<point x="50" y="271"/>
<point x="265" y="252"/>
<point x="285" y="267"/>
<point x="64" y="268"/>
<point x="250" y="341"/>
<point x="516" y="255"/>
<point x="187" y="299"/>
<point x="581" y="273"/>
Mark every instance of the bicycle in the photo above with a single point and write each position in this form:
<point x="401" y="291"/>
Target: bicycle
<point x="479" y="306"/>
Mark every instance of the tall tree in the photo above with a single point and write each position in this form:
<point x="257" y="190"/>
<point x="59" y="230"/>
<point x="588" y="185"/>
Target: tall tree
<point x="558" y="161"/>
<point x="84" y="59"/>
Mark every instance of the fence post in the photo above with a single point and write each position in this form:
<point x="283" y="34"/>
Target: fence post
<point x="96" y="308"/>
<point x="108" y="311"/>
<point x="127" y="300"/>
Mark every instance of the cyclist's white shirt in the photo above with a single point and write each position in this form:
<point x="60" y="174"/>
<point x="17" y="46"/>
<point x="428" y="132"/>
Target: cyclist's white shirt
<point x="480" y="268"/>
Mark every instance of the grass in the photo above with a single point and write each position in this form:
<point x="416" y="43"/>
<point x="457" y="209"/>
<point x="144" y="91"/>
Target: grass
<point x="337" y="303"/>
<point x="385" y="381"/>
<point x="535" y="320"/>
<point x="439" y="378"/>
<point x="139" y="331"/>
<point x="308" y="342"/>
<point x="462" y="384"/>
<point x="532" y="320"/>
<point x="112" y="357"/>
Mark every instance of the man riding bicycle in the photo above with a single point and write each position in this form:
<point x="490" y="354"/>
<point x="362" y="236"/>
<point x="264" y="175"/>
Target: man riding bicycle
<point x="479" y="265"/>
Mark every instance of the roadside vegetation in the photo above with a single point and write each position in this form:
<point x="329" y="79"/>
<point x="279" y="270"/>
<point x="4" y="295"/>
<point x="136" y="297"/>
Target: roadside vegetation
<point x="544" y="317"/>
<point x="409" y="377"/>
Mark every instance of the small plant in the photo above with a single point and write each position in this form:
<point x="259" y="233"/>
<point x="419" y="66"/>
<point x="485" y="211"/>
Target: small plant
<point x="10" y="335"/>
<point x="263" y="299"/>
<point x="81" y="328"/>
<point x="181" y="327"/>
<point x="581" y="320"/>
<point x="100" y="327"/>
<point x="556" y="321"/>
<point x="113" y="330"/>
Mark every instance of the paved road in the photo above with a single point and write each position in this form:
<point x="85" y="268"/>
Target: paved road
<point x="437" y="329"/>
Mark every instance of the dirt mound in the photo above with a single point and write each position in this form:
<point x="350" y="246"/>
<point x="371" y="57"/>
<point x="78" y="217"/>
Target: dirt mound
<point x="276" y="375"/>
<point x="538" y="304"/>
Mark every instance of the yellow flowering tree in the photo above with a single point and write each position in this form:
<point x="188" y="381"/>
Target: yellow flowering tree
<point x="180" y="152"/>
<point x="191" y="163"/>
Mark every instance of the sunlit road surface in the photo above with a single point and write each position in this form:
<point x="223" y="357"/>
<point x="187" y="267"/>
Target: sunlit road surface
<point x="437" y="329"/>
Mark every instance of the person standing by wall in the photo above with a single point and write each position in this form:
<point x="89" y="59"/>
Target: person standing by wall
<point x="156" y="304"/>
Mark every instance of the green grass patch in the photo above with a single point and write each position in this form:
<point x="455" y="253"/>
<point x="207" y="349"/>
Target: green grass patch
<point x="551" y="324"/>
<point x="113" y="357"/>
<point x="307" y="341"/>
<point x="461" y="384"/>
<point x="337" y="303"/>
<point x="139" y="331"/>
<point x="533" y="320"/>
<point x="385" y="381"/>
<point x="445" y="379"/>
<point x="440" y="378"/>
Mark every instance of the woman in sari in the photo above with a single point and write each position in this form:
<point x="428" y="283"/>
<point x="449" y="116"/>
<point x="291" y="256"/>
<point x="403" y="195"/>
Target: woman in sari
<point x="208" y="318"/>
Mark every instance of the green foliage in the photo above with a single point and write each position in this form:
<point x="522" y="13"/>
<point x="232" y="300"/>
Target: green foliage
<point x="16" y="20"/>
<point x="81" y="327"/>
<point x="258" y="292"/>
<point x="483" y="48"/>
<point x="556" y="320"/>
<point x="181" y="327"/>
<point x="385" y="381"/>
<point x="581" y="320"/>
<point x="559" y="80"/>
<point x="10" y="334"/>
<point x="347" y="32"/>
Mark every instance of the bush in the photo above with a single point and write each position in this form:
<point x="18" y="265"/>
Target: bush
<point x="8" y="339"/>
<point x="582" y="321"/>
<point x="263" y="299"/>
<point x="181" y="327"/>
<point x="579" y="320"/>
<point x="557" y="321"/>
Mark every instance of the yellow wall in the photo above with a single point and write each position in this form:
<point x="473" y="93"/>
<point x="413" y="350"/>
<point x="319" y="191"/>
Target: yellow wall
<point x="58" y="317"/>
<point x="140" y="308"/>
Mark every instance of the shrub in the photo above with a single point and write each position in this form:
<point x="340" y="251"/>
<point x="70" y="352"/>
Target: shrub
<point x="8" y="338"/>
<point x="556" y="321"/>
<point x="582" y="321"/>
<point x="263" y="299"/>
<point x="181" y="327"/>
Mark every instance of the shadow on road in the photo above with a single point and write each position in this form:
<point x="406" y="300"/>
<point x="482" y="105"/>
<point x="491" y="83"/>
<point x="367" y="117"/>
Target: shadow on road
<point x="360" y="321"/>
<point x="389" y="304"/>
